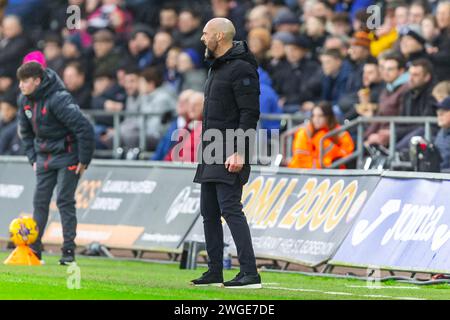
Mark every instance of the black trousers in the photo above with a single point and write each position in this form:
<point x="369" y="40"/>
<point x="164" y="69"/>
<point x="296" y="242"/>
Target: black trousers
<point x="220" y="199"/>
<point x="66" y="181"/>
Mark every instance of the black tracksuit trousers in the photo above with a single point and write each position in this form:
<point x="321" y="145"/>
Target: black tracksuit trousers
<point x="221" y="199"/>
<point x="66" y="181"/>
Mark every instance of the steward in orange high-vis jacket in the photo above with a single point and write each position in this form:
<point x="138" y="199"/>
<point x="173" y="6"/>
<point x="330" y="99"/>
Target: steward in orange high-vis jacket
<point x="306" y="145"/>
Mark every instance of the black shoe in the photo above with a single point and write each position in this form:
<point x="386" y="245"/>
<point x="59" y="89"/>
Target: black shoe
<point x="68" y="257"/>
<point x="245" y="280"/>
<point x="38" y="254"/>
<point x="209" y="278"/>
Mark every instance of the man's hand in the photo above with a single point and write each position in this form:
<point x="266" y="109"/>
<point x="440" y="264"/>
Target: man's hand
<point x="364" y="95"/>
<point x="432" y="50"/>
<point x="374" y="138"/>
<point x="234" y="163"/>
<point x="107" y="136"/>
<point x="80" y="169"/>
<point x="113" y="106"/>
<point x="34" y="167"/>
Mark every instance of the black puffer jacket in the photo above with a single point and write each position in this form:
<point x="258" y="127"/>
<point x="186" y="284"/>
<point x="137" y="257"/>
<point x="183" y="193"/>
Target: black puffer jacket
<point x="231" y="102"/>
<point x="440" y="59"/>
<point x="54" y="131"/>
<point x="417" y="102"/>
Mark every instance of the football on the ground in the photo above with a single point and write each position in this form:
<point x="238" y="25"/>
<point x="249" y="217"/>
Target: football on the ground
<point x="23" y="231"/>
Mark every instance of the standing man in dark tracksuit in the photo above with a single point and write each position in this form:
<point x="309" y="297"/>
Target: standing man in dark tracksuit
<point x="59" y="143"/>
<point x="231" y="103"/>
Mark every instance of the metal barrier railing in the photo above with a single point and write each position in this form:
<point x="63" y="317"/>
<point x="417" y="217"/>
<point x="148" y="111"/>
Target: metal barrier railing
<point x="291" y="126"/>
<point x="290" y="121"/>
<point x="93" y="114"/>
<point x="359" y="123"/>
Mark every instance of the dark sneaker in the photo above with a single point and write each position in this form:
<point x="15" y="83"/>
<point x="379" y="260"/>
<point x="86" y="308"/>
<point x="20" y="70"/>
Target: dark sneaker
<point x="68" y="257"/>
<point x="209" y="279"/>
<point x="245" y="280"/>
<point x="38" y="254"/>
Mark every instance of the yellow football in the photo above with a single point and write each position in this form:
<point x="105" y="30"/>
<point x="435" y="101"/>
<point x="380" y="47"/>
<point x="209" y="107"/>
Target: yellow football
<point x="23" y="231"/>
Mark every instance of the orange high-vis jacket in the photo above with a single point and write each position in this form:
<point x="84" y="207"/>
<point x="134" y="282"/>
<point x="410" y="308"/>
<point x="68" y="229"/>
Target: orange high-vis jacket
<point x="305" y="148"/>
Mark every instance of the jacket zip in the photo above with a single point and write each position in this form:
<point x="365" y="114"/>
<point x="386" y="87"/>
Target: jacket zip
<point x="205" y="116"/>
<point x="47" y="161"/>
<point x="34" y="119"/>
<point x="69" y="144"/>
<point x="210" y="74"/>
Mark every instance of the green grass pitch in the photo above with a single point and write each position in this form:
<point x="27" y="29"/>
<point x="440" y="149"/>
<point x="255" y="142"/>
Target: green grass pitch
<point x="103" y="278"/>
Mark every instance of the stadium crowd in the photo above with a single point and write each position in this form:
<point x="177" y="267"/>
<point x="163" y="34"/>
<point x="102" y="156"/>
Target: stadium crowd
<point x="320" y="58"/>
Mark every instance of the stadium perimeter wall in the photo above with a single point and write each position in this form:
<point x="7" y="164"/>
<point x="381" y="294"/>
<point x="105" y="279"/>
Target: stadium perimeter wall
<point x="351" y="218"/>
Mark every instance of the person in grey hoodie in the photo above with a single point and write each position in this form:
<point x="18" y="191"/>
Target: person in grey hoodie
<point x="155" y="98"/>
<point x="129" y="128"/>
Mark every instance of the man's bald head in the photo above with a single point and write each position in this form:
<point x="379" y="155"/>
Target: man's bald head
<point x="218" y="36"/>
<point x="222" y="25"/>
<point x="183" y="103"/>
<point x="196" y="101"/>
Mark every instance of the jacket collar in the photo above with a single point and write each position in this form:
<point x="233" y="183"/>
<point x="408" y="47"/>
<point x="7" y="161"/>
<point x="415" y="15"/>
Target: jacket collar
<point x="401" y="80"/>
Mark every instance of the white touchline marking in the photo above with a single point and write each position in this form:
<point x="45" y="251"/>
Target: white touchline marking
<point x="294" y="289"/>
<point x="345" y="293"/>
<point x="374" y="296"/>
<point x="382" y="287"/>
<point x="390" y="297"/>
<point x="339" y="293"/>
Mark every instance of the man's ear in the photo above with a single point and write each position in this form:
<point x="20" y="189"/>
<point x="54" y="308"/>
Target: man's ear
<point x="37" y="81"/>
<point x="219" y="36"/>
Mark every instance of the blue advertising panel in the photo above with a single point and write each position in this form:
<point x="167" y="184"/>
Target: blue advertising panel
<point x="403" y="226"/>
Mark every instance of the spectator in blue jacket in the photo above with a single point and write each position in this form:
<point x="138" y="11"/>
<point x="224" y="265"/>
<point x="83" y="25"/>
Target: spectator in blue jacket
<point x="352" y="7"/>
<point x="140" y="46"/>
<point x="335" y="76"/>
<point x="268" y="101"/>
<point x="30" y="12"/>
<point x="442" y="140"/>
